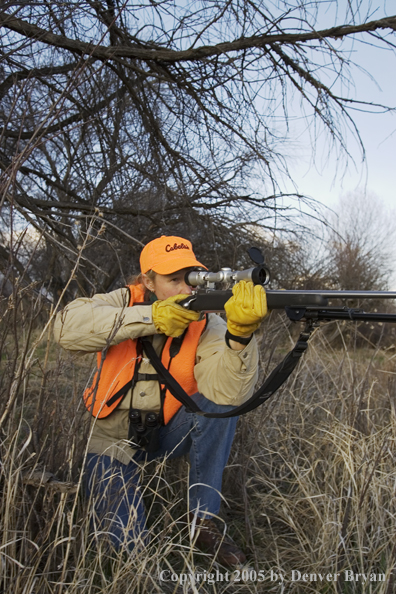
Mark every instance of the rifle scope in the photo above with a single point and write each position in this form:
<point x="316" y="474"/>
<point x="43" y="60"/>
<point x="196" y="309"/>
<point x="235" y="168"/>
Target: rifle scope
<point x="259" y="275"/>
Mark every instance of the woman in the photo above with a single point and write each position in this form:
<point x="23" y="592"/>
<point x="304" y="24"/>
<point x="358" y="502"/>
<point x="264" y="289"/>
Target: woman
<point x="215" y="362"/>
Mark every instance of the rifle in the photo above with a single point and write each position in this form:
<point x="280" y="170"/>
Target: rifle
<point x="312" y="306"/>
<point x="309" y="306"/>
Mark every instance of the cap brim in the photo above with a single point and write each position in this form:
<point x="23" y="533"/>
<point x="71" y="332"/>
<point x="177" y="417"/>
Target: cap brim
<point x="173" y="266"/>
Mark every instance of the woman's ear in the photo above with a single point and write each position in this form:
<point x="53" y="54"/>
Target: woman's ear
<point x="148" y="283"/>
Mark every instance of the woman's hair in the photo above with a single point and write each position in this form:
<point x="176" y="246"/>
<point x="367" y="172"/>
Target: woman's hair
<point x="138" y="280"/>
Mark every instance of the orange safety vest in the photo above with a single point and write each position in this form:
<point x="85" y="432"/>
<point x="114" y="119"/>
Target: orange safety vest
<point x="118" y="366"/>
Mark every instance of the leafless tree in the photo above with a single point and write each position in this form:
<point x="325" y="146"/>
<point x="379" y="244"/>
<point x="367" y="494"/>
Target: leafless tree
<point x="361" y="246"/>
<point x="125" y="120"/>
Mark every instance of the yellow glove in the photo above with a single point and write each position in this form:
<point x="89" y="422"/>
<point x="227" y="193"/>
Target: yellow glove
<point x="170" y="318"/>
<point x="246" y="308"/>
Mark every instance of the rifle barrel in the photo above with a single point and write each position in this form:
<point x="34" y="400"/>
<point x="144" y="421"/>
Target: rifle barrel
<point x="329" y="294"/>
<point x="281" y="299"/>
<point x="353" y="315"/>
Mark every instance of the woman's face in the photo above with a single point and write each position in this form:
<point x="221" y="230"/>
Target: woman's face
<point x="168" y="285"/>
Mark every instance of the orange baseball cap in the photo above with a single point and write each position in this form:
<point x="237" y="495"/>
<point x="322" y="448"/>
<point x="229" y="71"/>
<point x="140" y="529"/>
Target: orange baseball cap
<point x="168" y="254"/>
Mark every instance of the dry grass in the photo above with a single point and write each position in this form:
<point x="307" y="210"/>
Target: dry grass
<point x="310" y="484"/>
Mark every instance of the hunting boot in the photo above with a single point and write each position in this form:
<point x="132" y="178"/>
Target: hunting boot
<point x="212" y="540"/>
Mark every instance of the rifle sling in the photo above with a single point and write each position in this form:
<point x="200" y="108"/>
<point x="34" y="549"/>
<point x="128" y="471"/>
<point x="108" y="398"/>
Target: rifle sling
<point x="173" y="385"/>
<point x="274" y="381"/>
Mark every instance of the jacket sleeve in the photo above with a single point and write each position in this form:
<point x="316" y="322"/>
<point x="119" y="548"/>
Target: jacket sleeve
<point x="92" y="324"/>
<point x="223" y="375"/>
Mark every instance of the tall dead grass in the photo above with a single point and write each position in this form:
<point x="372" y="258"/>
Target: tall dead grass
<point x="310" y="485"/>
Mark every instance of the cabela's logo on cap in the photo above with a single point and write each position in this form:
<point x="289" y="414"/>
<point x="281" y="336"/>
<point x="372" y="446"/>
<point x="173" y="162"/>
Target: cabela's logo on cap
<point x="176" y="246"/>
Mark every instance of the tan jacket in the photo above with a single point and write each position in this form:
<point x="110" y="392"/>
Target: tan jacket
<point x="223" y="375"/>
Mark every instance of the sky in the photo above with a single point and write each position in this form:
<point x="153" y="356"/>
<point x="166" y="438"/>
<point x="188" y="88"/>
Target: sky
<point x="324" y="180"/>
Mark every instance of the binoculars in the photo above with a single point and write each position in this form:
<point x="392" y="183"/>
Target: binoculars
<point x="144" y="434"/>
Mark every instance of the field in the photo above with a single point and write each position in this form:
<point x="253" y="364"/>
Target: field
<point x="309" y="489"/>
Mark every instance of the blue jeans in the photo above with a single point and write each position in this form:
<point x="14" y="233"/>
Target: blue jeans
<point x="114" y="486"/>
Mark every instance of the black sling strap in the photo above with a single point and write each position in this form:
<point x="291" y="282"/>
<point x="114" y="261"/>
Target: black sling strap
<point x="168" y="379"/>
<point x="274" y="381"/>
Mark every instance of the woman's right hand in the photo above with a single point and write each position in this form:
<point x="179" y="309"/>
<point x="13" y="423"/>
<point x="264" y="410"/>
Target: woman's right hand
<point x="172" y="319"/>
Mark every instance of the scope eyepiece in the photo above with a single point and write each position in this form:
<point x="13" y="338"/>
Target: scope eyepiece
<point x="195" y="277"/>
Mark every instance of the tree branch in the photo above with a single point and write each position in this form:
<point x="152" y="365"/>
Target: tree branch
<point x="82" y="115"/>
<point x="34" y="73"/>
<point x="167" y="55"/>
